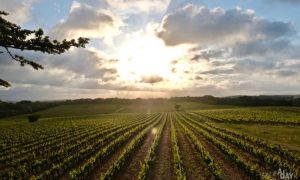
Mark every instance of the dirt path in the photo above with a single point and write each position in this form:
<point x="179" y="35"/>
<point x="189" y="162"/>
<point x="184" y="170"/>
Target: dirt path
<point x="163" y="166"/>
<point x="194" y="167"/>
<point x="133" y="166"/>
<point x="230" y="169"/>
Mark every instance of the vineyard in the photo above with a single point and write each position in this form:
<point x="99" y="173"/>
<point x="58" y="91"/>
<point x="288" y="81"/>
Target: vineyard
<point x="163" y="145"/>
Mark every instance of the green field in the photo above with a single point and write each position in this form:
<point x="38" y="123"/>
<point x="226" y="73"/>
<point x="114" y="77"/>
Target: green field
<point x="109" y="108"/>
<point x="152" y="141"/>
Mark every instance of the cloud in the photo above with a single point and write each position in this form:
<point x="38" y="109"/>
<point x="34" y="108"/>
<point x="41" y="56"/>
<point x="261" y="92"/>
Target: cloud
<point x="254" y="66"/>
<point x="19" y="10"/>
<point x="218" y="71"/>
<point x="198" y="77"/>
<point x="287" y="73"/>
<point x="238" y="46"/>
<point x="240" y="66"/>
<point x="151" y="79"/>
<point x="139" y="6"/>
<point x="206" y="54"/>
<point x="86" y="21"/>
<point x="77" y="68"/>
<point x="203" y="26"/>
<point x="83" y="62"/>
<point x="261" y="48"/>
<point x="284" y="71"/>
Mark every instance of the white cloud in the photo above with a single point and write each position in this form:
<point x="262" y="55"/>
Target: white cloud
<point x="138" y="6"/>
<point x="19" y="10"/>
<point x="86" y="21"/>
<point x="203" y="26"/>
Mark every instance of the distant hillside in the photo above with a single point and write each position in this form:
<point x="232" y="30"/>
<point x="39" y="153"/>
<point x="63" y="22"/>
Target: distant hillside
<point x="262" y="100"/>
<point x="110" y="105"/>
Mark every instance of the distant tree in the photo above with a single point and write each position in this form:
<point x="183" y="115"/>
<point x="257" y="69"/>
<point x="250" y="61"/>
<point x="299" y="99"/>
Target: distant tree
<point x="177" y="107"/>
<point x="24" y="102"/>
<point x="13" y="36"/>
<point x="33" y="118"/>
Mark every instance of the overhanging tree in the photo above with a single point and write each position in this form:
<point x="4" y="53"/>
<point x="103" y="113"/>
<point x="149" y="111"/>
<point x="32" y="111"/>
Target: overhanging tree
<point x="13" y="36"/>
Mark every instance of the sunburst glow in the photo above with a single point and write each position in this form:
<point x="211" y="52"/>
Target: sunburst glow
<point x="146" y="55"/>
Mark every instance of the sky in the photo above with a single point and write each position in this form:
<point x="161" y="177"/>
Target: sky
<point x="158" y="48"/>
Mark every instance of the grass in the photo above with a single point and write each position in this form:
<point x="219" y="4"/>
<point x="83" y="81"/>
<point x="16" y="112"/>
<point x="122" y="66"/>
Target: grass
<point x="72" y="110"/>
<point x="256" y="113"/>
<point x="109" y="108"/>
<point x="287" y="136"/>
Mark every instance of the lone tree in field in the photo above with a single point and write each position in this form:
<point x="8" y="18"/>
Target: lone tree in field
<point x="13" y="36"/>
<point x="177" y="107"/>
<point x="33" y="118"/>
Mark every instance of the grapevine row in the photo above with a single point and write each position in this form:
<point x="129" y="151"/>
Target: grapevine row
<point x="203" y="153"/>
<point x="180" y="173"/>
<point x="251" y="170"/>
<point x="121" y="161"/>
<point x="84" y="170"/>
<point x="272" y="160"/>
<point x="262" y="144"/>
<point x="65" y="156"/>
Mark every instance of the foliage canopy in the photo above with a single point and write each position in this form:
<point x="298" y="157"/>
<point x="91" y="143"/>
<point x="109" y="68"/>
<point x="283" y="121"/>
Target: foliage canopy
<point x="13" y="36"/>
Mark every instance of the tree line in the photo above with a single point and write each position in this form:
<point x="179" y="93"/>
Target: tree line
<point x="25" y="106"/>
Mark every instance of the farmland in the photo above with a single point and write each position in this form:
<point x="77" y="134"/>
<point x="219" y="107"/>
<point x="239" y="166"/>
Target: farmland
<point x="125" y="142"/>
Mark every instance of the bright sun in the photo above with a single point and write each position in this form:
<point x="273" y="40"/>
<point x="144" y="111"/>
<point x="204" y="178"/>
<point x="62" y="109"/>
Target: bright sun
<point x="147" y="55"/>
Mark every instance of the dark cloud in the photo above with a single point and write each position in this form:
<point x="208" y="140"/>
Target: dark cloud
<point x="198" y="78"/>
<point x="109" y="78"/>
<point x="111" y="71"/>
<point x="218" y="71"/>
<point x="207" y="54"/>
<point x="151" y="79"/>
<point x="260" y="48"/>
<point x="217" y="63"/>
<point x="287" y="73"/>
<point x="205" y="26"/>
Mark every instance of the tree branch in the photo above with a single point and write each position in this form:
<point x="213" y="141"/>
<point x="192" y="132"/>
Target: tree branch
<point x="13" y="36"/>
<point x="4" y="83"/>
<point x="10" y="53"/>
<point x="24" y="61"/>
